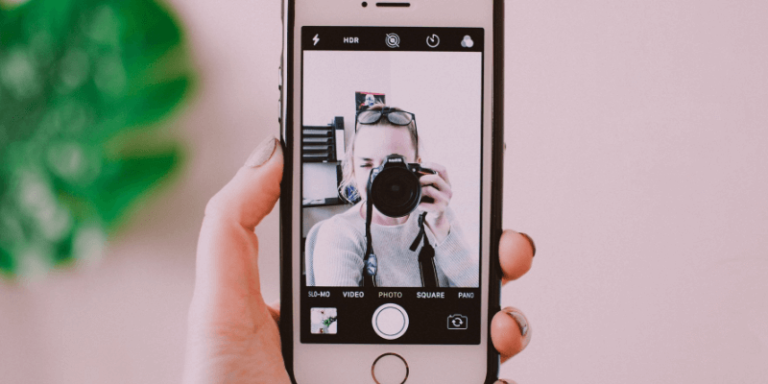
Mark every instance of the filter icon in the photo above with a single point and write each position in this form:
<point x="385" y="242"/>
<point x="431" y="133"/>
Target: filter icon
<point x="467" y="42"/>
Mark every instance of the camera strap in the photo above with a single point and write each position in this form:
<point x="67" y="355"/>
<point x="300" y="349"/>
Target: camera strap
<point x="370" y="262"/>
<point x="426" y="257"/>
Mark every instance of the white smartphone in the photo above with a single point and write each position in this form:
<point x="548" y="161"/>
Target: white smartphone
<point x="392" y="126"/>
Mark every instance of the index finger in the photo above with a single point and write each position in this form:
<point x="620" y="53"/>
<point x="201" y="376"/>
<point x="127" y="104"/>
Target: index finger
<point x="436" y="181"/>
<point x="439" y="169"/>
<point x="515" y="255"/>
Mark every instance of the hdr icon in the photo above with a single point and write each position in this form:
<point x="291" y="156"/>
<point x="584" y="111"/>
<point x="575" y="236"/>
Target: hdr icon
<point x="351" y="40"/>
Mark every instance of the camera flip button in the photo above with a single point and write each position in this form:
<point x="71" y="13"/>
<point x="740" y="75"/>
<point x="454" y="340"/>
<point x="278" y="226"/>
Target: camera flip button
<point x="457" y="322"/>
<point x="390" y="321"/>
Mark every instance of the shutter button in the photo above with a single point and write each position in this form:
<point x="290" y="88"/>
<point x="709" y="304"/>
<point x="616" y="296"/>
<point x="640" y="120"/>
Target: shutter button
<point x="390" y="321"/>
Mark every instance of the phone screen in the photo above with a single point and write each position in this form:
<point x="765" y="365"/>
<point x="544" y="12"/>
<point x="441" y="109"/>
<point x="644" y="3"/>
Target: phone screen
<point x="391" y="170"/>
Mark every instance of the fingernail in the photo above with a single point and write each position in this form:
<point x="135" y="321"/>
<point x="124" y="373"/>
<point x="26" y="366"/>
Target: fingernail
<point x="521" y="321"/>
<point x="530" y="240"/>
<point x="502" y="381"/>
<point x="262" y="153"/>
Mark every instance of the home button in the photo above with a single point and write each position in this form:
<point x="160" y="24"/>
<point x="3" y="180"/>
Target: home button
<point x="389" y="368"/>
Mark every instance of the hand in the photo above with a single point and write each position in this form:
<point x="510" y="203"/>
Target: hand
<point x="232" y="333"/>
<point x="438" y="187"/>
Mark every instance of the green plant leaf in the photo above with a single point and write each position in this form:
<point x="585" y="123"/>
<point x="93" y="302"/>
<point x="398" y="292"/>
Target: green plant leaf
<point x="84" y="88"/>
<point x="127" y="180"/>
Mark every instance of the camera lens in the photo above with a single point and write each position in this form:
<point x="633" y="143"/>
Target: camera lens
<point x="365" y="4"/>
<point x="396" y="192"/>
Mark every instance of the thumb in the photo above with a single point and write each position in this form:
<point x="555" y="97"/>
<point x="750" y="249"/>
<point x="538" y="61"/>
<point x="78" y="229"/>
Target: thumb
<point x="254" y="190"/>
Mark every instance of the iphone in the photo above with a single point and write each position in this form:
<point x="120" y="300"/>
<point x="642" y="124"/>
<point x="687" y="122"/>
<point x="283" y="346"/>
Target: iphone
<point x="392" y="124"/>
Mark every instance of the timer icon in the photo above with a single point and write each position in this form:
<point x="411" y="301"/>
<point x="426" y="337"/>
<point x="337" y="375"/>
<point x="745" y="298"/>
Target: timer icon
<point x="433" y="41"/>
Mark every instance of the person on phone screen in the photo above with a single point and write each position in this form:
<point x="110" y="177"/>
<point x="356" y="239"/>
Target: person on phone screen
<point x="337" y="248"/>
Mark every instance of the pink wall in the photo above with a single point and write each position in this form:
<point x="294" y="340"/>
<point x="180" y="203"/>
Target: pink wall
<point x="636" y="158"/>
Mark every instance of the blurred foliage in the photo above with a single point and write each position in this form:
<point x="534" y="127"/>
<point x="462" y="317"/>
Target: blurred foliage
<point x="83" y="84"/>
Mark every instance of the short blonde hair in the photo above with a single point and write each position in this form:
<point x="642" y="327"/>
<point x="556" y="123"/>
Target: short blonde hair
<point x="347" y="166"/>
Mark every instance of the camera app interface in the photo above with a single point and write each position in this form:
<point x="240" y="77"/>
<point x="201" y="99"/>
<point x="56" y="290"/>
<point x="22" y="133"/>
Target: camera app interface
<point x="391" y="133"/>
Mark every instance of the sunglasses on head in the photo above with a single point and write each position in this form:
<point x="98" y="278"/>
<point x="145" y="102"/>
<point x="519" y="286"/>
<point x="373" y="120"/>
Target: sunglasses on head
<point x="395" y="117"/>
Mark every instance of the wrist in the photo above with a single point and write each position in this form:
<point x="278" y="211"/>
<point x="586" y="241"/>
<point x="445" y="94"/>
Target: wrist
<point x="439" y="226"/>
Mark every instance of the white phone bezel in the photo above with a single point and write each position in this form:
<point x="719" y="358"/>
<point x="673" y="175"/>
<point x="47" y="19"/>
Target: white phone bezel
<point x="321" y="363"/>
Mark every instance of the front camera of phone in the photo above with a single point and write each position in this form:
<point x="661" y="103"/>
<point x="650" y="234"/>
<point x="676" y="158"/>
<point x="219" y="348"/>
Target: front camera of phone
<point x="365" y="4"/>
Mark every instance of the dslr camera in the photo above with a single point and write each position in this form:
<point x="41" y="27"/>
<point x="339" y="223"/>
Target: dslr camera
<point x="394" y="188"/>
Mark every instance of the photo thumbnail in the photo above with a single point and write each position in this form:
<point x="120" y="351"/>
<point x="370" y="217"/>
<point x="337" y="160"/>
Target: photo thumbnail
<point x="323" y="321"/>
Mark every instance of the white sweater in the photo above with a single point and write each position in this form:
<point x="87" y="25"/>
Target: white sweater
<point x="337" y="258"/>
